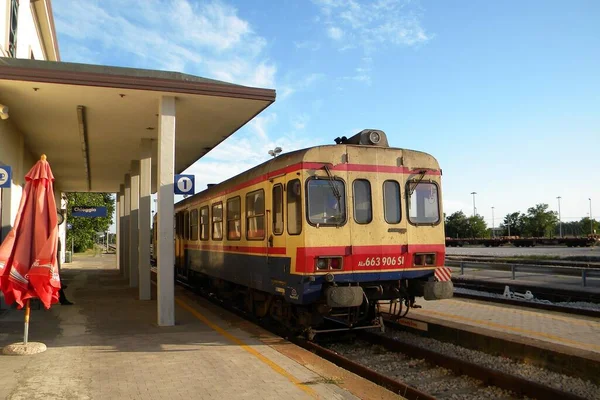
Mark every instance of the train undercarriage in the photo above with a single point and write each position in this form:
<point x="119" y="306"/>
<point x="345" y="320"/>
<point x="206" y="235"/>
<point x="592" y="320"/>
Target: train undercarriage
<point x="339" y="308"/>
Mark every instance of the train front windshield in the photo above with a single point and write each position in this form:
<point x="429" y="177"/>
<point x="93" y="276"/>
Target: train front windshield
<point x="326" y="202"/>
<point x="423" y="203"/>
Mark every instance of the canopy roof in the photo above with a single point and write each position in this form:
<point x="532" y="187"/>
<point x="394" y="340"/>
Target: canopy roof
<point x="90" y="119"/>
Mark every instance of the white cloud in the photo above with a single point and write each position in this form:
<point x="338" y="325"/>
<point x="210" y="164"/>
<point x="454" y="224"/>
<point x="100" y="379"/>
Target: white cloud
<point x="295" y="85"/>
<point x="307" y="44"/>
<point x="372" y="24"/>
<point x="208" y="39"/>
<point x="335" y="33"/>
<point x="248" y="151"/>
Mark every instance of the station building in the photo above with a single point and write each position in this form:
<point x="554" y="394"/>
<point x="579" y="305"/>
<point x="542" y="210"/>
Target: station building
<point x="109" y="129"/>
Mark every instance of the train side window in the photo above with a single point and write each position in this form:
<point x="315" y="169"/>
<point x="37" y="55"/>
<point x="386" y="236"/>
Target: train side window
<point x="294" y="207"/>
<point x="363" y="209"/>
<point x="234" y="219"/>
<point x="255" y="215"/>
<point x="204" y="223"/>
<point x="278" y="209"/>
<point x="177" y="224"/>
<point x="391" y="202"/>
<point x="217" y="221"/>
<point x="194" y="224"/>
<point x="186" y="225"/>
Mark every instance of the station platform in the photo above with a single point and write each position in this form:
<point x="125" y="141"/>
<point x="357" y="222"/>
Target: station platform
<point x="572" y="334"/>
<point x="108" y="346"/>
<point x="532" y="279"/>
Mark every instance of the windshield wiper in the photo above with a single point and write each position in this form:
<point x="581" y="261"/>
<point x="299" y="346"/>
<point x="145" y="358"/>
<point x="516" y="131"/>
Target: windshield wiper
<point x="335" y="190"/>
<point x="422" y="175"/>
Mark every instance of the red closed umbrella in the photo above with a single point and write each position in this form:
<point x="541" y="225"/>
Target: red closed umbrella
<point x="28" y="263"/>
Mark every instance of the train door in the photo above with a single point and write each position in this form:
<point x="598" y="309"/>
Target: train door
<point x="276" y="237"/>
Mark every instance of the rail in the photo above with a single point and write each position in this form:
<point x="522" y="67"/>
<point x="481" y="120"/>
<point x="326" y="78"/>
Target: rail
<point x="583" y="272"/>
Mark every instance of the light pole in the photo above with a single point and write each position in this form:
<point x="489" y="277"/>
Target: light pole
<point x="493" y="232"/>
<point x="559" y="219"/>
<point x="474" y="208"/>
<point x="591" y="218"/>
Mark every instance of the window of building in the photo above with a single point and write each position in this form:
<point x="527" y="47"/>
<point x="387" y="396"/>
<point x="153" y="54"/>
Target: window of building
<point x="234" y="219"/>
<point x="294" y="207"/>
<point x="391" y="202"/>
<point x="255" y="215"/>
<point x="278" y="209"/>
<point x="363" y="209"/>
<point x="326" y="202"/>
<point x="12" y="34"/>
<point x="186" y="225"/>
<point x="217" y="221"/>
<point x="423" y="206"/>
<point x="204" y="223"/>
<point x="194" y="224"/>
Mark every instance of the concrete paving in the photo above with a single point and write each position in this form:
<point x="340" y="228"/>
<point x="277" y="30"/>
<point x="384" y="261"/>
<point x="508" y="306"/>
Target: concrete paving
<point x="107" y="346"/>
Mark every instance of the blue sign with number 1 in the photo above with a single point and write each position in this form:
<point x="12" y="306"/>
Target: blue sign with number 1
<point x="184" y="184"/>
<point x="5" y="173"/>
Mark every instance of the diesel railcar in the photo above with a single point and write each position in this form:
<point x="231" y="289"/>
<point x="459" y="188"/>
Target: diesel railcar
<point x="325" y="237"/>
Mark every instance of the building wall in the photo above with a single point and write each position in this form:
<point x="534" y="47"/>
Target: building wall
<point x="29" y="43"/>
<point x="13" y="149"/>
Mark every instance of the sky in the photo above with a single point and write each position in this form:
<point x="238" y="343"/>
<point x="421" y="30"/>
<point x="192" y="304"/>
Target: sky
<point x="506" y="95"/>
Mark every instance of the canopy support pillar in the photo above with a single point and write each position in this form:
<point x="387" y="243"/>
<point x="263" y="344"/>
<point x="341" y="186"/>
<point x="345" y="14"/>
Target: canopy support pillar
<point x="126" y="222"/>
<point x="120" y="230"/>
<point x="166" y="199"/>
<point x="134" y="233"/>
<point x="145" y="237"/>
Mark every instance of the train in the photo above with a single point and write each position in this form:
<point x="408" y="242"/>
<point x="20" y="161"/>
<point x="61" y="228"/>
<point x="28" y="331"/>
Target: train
<point x="327" y="238"/>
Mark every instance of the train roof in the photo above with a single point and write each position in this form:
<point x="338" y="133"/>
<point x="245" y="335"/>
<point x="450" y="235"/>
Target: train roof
<point x="411" y="159"/>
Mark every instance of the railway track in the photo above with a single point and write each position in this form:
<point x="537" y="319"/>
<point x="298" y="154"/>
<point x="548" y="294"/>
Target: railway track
<point x="447" y="377"/>
<point x="549" y="299"/>
<point x="438" y="375"/>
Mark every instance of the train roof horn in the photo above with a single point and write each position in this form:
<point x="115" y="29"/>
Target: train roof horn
<point x="367" y="137"/>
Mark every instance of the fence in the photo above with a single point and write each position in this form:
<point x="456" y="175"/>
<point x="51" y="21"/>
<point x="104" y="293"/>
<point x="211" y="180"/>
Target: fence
<point x="583" y="272"/>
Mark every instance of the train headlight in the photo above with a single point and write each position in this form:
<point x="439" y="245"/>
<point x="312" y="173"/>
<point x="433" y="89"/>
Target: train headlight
<point x="321" y="263"/>
<point x="429" y="259"/>
<point x="329" y="263"/>
<point x="329" y="278"/>
<point x="424" y="259"/>
<point x="374" y="137"/>
<point x="418" y="259"/>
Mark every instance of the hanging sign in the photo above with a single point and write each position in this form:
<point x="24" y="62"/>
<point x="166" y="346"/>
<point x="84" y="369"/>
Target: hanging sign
<point x="5" y="175"/>
<point x="184" y="184"/>
<point x="88" y="211"/>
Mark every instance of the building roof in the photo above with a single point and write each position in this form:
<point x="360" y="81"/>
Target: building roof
<point x="64" y="108"/>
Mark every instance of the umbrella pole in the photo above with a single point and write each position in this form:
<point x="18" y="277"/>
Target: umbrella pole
<point x="27" y="309"/>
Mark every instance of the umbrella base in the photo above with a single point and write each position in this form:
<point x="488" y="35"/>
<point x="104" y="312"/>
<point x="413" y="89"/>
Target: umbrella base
<point x="20" y="349"/>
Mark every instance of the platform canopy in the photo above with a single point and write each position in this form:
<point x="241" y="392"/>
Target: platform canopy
<point x="90" y="119"/>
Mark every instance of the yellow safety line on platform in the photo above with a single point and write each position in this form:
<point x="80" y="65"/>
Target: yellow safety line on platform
<point x="500" y="307"/>
<point x="510" y="328"/>
<point x="248" y="348"/>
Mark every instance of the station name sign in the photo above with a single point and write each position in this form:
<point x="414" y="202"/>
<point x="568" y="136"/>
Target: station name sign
<point x="88" y="211"/>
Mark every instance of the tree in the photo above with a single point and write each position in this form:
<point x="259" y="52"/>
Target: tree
<point x="539" y="222"/>
<point x="477" y="227"/>
<point x="515" y="221"/>
<point x="585" y="226"/>
<point x="457" y="225"/>
<point x="85" y="230"/>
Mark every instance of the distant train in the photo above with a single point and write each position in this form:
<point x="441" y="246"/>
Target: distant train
<point x="582" y="241"/>
<point x="328" y="236"/>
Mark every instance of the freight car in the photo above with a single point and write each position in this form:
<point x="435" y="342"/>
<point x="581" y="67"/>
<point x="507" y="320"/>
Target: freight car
<point x="325" y="237"/>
